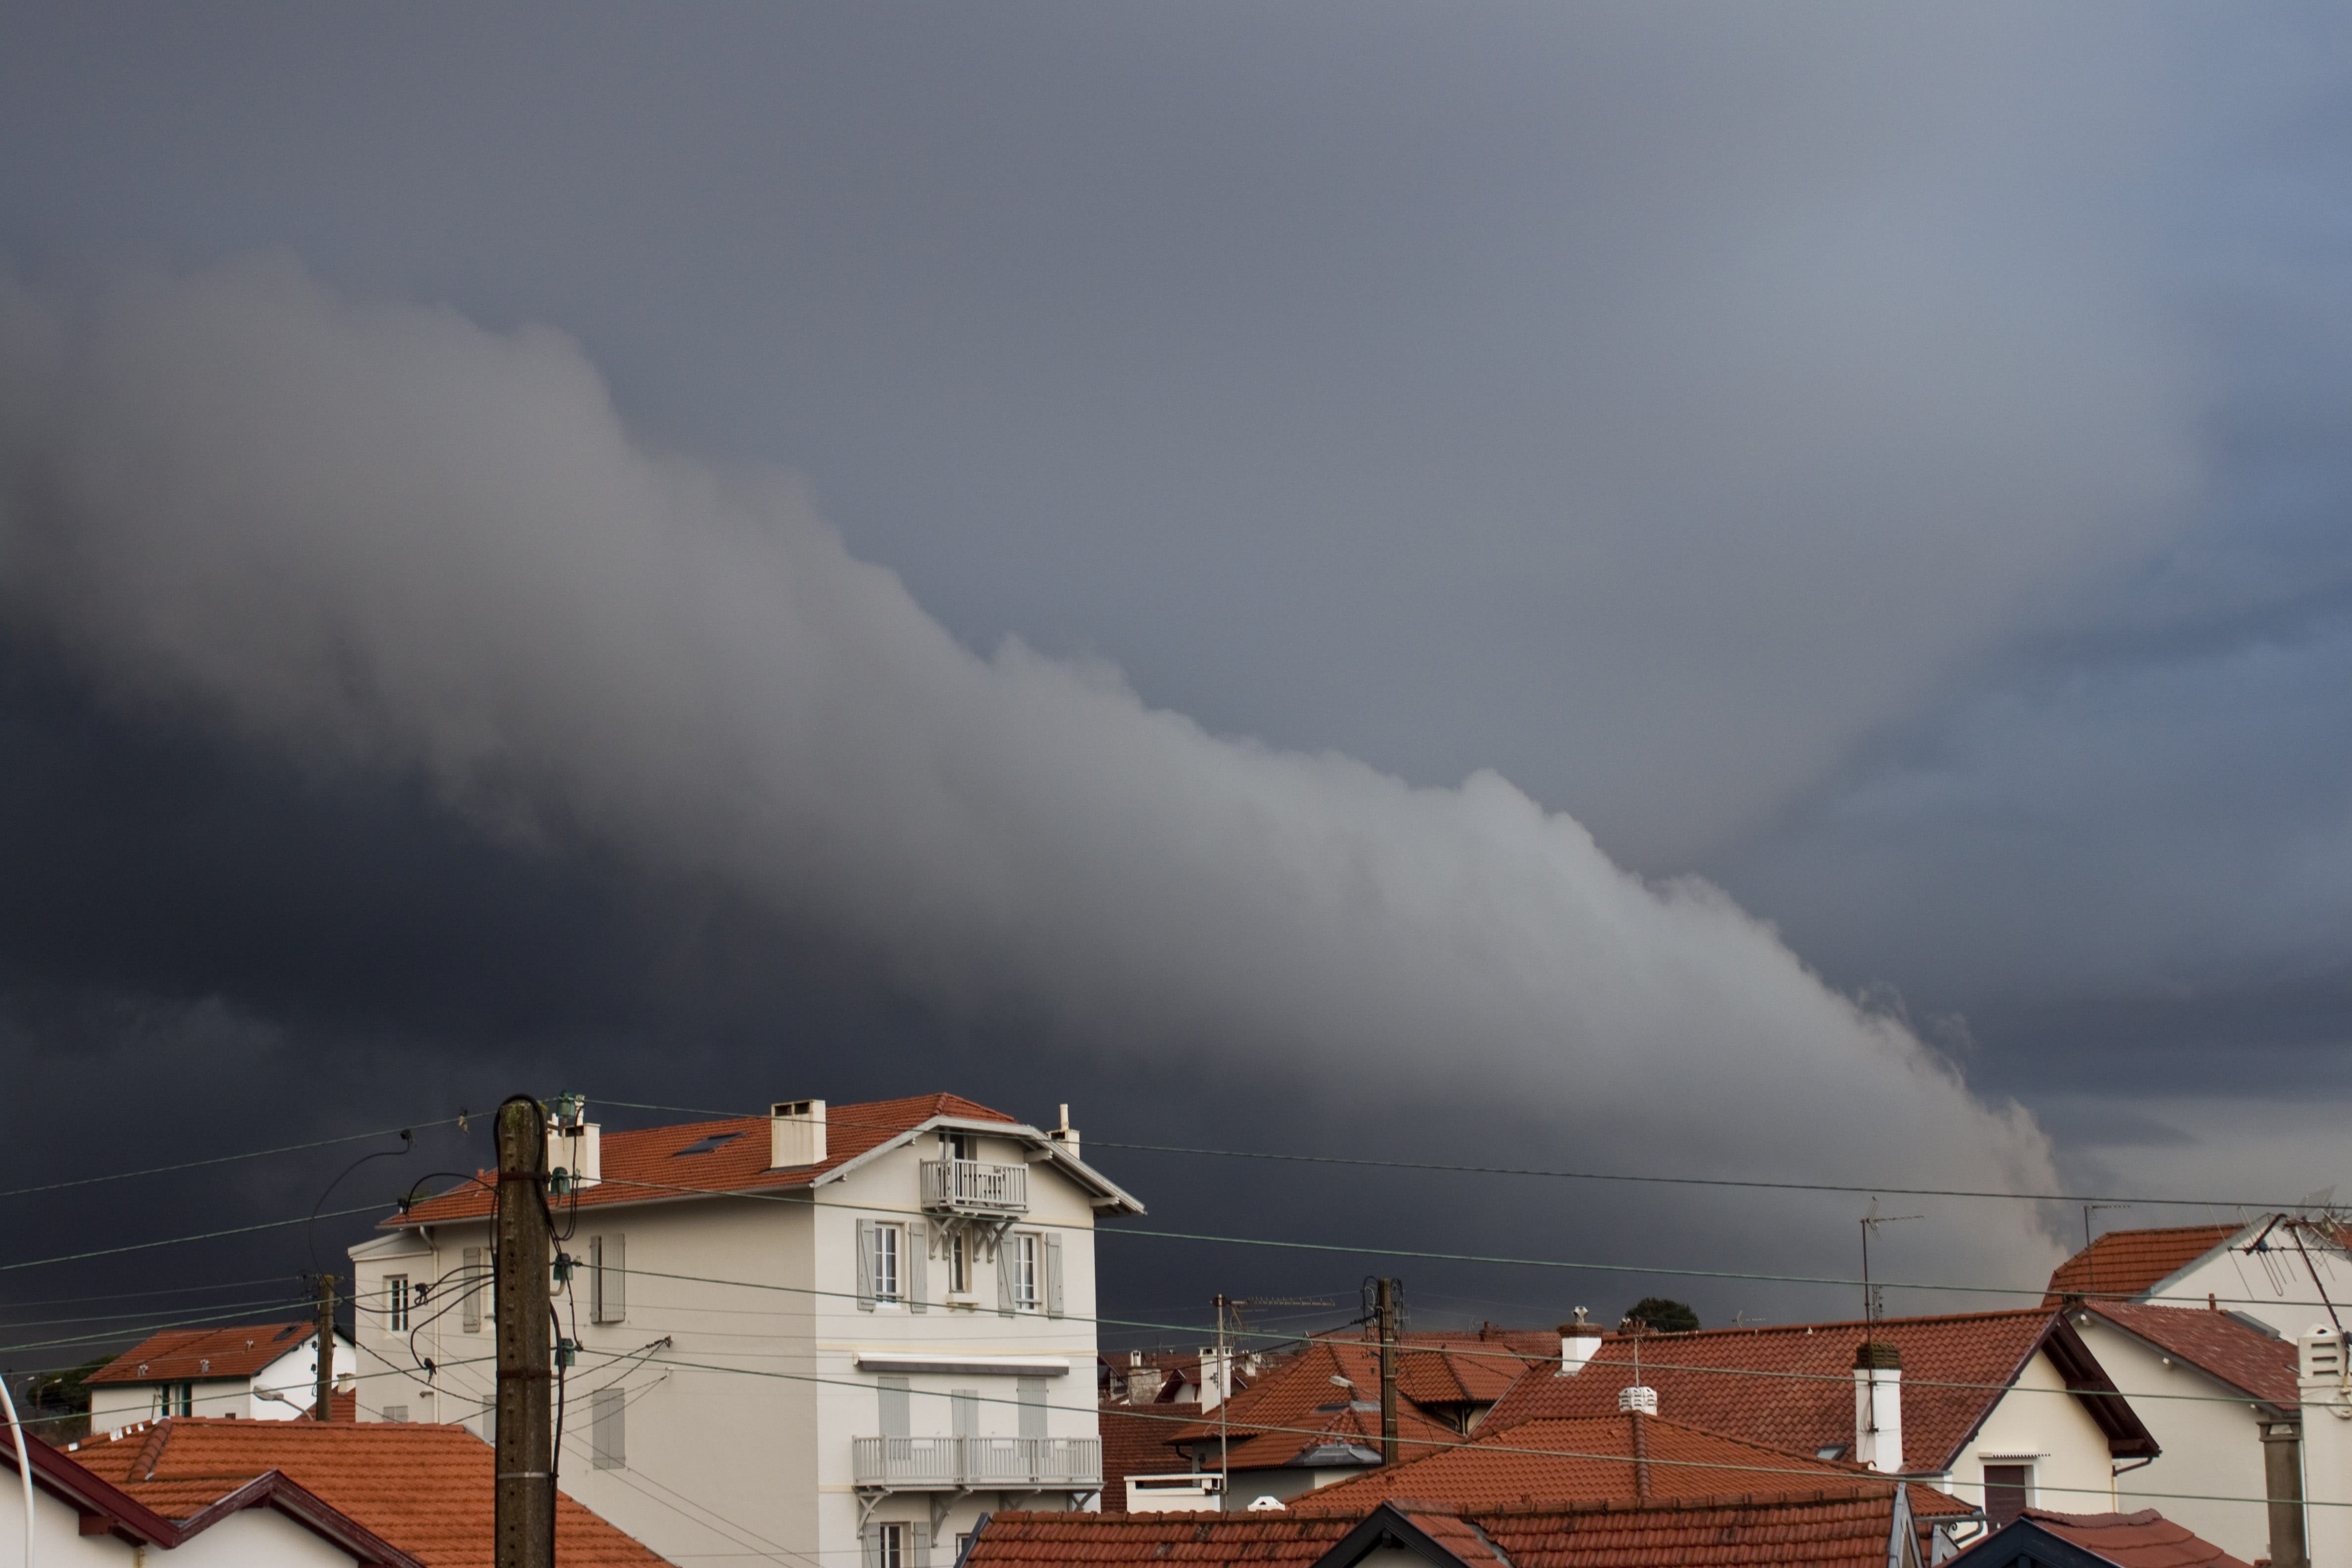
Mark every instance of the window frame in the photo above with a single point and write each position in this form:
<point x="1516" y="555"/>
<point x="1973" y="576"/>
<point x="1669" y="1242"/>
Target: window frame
<point x="396" y="1303"/>
<point x="1028" y="1264"/>
<point x="890" y="1264"/>
<point x="958" y="1250"/>
<point x="890" y="1545"/>
<point x="2023" y="1487"/>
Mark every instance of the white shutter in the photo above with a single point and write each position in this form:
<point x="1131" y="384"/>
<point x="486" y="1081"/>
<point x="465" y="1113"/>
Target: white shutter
<point x="1053" y="1275"/>
<point x="595" y="1278"/>
<point x="870" y="1547"/>
<point x="918" y="1248"/>
<point x="470" y="1308"/>
<point x="608" y="1440"/>
<point x="865" y="1268"/>
<point x="1031" y="1393"/>
<point x="918" y="1546"/>
<point x="1005" y="1250"/>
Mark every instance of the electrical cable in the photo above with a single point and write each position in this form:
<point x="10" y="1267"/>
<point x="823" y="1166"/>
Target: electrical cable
<point x="177" y="1240"/>
<point x="226" y="1159"/>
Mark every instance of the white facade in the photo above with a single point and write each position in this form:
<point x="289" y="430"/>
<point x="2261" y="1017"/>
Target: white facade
<point x="780" y="1375"/>
<point x="2273" y="1270"/>
<point x="250" y="1538"/>
<point x="2210" y="1433"/>
<point x="2038" y="1425"/>
<point x="282" y="1391"/>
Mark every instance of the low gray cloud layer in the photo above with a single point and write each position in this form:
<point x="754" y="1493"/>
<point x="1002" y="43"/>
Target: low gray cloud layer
<point x="383" y="538"/>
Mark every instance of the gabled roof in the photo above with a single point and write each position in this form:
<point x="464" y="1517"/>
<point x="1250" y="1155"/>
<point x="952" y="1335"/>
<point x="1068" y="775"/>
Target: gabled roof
<point x="2257" y="1364"/>
<point x="2051" y="1540"/>
<point x="1473" y="1366"/>
<point x="426" y="1489"/>
<point x="659" y="1165"/>
<point x="2125" y="1263"/>
<point x="179" y="1355"/>
<point x="1626" y="1458"/>
<point x="1791" y="1386"/>
<point x="1851" y="1529"/>
<point x="106" y="1508"/>
<point x="1298" y="1415"/>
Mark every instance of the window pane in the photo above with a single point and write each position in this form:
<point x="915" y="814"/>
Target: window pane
<point x="894" y="1546"/>
<point x="395" y="1301"/>
<point x="886" y="1261"/>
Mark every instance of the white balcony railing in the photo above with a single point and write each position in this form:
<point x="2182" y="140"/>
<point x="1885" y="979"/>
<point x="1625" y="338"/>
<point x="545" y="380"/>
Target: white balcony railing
<point x="992" y="1464"/>
<point x="975" y="1186"/>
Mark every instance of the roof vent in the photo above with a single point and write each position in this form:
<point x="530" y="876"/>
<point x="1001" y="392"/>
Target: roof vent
<point x="795" y="1133"/>
<point x="1637" y="1400"/>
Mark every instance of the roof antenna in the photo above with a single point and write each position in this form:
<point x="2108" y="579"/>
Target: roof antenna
<point x="1874" y="1301"/>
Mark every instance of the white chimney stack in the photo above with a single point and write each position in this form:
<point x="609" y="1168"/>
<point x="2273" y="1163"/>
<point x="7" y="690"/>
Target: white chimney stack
<point x="1878" y="1407"/>
<point x="795" y="1133"/>
<point x="1580" y="1342"/>
<point x="575" y="1144"/>
<point x="1066" y="1134"/>
<point x="2327" y="1431"/>
<point x="1637" y="1399"/>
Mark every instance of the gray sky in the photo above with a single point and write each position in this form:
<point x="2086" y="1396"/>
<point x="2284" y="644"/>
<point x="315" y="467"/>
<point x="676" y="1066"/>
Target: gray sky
<point x="1884" y="463"/>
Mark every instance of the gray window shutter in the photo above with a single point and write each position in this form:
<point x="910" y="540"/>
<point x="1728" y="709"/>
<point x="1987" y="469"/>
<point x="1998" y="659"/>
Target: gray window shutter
<point x="1053" y="1275"/>
<point x="963" y="1405"/>
<point x="892" y="1396"/>
<point x="613" y="1279"/>
<point x="595" y="1278"/>
<point x="608" y="1410"/>
<point x="870" y="1547"/>
<point x="1031" y="1392"/>
<point x="866" y="1266"/>
<point x="469" y="1308"/>
<point x="918" y="1248"/>
<point x="1004" y="1276"/>
<point x="918" y="1546"/>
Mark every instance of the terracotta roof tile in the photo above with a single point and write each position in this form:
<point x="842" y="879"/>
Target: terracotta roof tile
<point x="2246" y="1358"/>
<point x="2142" y="1540"/>
<point x="177" y="1354"/>
<point x="1299" y="1408"/>
<point x="426" y="1489"/>
<point x="651" y="1162"/>
<point x="1790" y="1387"/>
<point x="1136" y="1442"/>
<point x="2128" y="1262"/>
<point x="1592" y="1459"/>
<point x="1846" y="1530"/>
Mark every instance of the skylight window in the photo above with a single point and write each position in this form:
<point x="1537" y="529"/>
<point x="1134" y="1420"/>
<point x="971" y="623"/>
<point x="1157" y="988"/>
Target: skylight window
<point x="705" y="1145"/>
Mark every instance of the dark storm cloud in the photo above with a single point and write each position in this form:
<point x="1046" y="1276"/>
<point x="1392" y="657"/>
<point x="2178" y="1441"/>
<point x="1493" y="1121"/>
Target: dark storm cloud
<point x="378" y="538"/>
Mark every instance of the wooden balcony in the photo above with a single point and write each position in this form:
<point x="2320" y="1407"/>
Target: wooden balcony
<point x="977" y="1463"/>
<point x="975" y="1187"/>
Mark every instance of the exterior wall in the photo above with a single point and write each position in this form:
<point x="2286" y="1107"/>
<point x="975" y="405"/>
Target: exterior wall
<point x="253" y="1538"/>
<point x="739" y="1429"/>
<point x="2212" y="1439"/>
<point x="113" y="1405"/>
<point x="2275" y="1288"/>
<point x="2039" y="1423"/>
<point x="1285" y="1484"/>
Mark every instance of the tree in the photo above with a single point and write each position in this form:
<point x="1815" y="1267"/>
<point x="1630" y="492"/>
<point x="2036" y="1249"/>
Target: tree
<point x="1662" y="1316"/>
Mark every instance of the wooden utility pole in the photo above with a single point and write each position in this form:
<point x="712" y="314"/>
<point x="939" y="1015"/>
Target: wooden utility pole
<point x="1386" y="1311"/>
<point x="324" y="1411"/>
<point x="525" y="1531"/>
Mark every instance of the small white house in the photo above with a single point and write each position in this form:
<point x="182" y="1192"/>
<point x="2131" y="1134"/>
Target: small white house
<point x="2281" y="1270"/>
<point x="81" y="1520"/>
<point x="266" y="1372"/>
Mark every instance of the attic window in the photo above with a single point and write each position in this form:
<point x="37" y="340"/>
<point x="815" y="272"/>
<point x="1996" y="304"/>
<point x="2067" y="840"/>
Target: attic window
<point x="1831" y="1451"/>
<point x="705" y="1145"/>
<point x="289" y="1331"/>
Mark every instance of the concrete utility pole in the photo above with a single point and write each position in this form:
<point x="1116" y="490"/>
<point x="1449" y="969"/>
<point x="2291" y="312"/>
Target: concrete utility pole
<point x="525" y="1533"/>
<point x="325" y="1410"/>
<point x="1387" y="1313"/>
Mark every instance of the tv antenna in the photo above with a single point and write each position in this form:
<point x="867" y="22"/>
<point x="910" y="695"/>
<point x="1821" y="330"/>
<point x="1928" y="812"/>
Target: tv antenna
<point x="1874" y="1304"/>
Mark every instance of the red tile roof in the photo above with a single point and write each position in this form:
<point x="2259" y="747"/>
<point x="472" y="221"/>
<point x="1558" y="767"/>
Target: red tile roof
<point x="1839" y="1529"/>
<point x="1299" y="1408"/>
<point x="179" y="1354"/>
<point x="2129" y="1262"/>
<point x="651" y="1163"/>
<point x="1791" y="1388"/>
<point x="2142" y="1540"/>
<point x="1593" y="1459"/>
<point x="426" y="1489"/>
<point x="1472" y="1367"/>
<point x="2246" y="1358"/>
<point x="1135" y="1442"/>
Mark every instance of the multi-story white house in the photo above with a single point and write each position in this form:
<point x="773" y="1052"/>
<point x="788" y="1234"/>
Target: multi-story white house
<point x="827" y="1337"/>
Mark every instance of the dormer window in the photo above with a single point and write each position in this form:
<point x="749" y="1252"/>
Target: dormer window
<point x="958" y="1146"/>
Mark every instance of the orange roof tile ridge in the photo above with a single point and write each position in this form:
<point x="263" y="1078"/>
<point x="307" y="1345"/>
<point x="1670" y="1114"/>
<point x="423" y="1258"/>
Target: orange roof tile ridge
<point x="151" y="1453"/>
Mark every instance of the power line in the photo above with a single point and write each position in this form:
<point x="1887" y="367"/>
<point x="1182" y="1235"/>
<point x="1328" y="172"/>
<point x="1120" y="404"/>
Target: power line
<point x="224" y="1159"/>
<point x="176" y="1240"/>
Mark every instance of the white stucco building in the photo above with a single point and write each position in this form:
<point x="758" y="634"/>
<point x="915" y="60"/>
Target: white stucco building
<point x="2281" y="1270"/>
<point x="266" y="1372"/>
<point x="833" y="1334"/>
